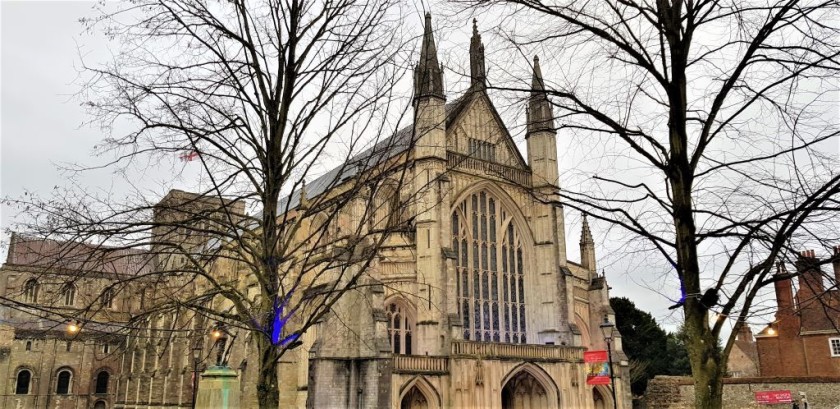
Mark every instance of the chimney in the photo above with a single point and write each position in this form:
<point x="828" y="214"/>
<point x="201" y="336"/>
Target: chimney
<point x="810" y="276"/>
<point x="836" y="262"/>
<point x="745" y="334"/>
<point x="784" y="293"/>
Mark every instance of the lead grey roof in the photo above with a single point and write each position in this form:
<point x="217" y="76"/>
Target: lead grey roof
<point x="388" y="148"/>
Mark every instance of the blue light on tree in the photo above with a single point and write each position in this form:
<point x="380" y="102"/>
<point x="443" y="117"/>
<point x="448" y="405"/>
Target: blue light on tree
<point x="278" y="322"/>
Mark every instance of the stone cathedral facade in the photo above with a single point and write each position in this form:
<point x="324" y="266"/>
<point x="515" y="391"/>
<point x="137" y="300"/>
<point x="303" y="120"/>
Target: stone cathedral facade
<point x="472" y="303"/>
<point x="479" y="306"/>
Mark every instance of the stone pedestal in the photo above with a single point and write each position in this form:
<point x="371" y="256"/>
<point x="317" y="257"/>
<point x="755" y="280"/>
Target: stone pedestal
<point x="218" y="389"/>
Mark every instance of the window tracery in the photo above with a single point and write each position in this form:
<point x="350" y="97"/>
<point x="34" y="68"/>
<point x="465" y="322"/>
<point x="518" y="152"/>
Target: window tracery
<point x="400" y="327"/>
<point x="68" y="294"/>
<point x="30" y="291"/>
<point x="490" y="268"/>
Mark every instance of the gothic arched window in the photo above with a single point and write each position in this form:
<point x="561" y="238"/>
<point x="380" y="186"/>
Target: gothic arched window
<point x="108" y="298"/>
<point x="490" y="287"/>
<point x="30" y="291"/>
<point x="400" y="326"/>
<point x="68" y="294"/>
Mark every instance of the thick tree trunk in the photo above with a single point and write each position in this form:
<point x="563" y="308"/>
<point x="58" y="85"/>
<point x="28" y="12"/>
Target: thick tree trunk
<point x="268" y="391"/>
<point x="707" y="363"/>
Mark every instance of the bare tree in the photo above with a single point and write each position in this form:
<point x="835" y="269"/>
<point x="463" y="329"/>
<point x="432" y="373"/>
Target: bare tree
<point x="718" y="120"/>
<point x="261" y="95"/>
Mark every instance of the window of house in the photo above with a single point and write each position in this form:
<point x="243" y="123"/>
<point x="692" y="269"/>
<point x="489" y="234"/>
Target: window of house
<point x="490" y="270"/>
<point x="24" y="377"/>
<point x="62" y="386"/>
<point x="482" y="150"/>
<point x="400" y="327"/>
<point x="30" y="291"/>
<point x="102" y="382"/>
<point x="68" y="295"/>
<point x="834" y="346"/>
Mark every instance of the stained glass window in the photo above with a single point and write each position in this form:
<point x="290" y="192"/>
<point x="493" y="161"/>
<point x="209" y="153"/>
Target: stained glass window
<point x="491" y="293"/>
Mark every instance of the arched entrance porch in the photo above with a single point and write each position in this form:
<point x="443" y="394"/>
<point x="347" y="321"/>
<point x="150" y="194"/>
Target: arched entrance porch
<point x="529" y="387"/>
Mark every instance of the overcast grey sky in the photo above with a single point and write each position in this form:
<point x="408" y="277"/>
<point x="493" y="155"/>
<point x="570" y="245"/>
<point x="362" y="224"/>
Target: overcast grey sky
<point x="41" y="124"/>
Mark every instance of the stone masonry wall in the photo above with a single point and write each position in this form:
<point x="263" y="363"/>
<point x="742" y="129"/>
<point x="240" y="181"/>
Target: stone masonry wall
<point x="673" y="392"/>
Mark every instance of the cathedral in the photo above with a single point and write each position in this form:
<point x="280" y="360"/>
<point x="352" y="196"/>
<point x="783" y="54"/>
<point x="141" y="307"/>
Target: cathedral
<point x="480" y="307"/>
<point x="474" y="304"/>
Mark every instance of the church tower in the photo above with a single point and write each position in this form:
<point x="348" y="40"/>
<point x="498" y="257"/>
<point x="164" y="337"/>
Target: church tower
<point x="431" y="197"/>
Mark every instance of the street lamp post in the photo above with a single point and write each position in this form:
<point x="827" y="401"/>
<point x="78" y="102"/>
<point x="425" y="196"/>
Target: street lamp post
<point x="607" y="329"/>
<point x="196" y="354"/>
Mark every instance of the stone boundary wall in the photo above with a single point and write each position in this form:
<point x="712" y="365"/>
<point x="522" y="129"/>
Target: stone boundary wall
<point x="677" y="392"/>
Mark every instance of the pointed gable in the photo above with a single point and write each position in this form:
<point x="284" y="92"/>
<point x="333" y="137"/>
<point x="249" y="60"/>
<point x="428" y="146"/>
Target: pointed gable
<point x="474" y="128"/>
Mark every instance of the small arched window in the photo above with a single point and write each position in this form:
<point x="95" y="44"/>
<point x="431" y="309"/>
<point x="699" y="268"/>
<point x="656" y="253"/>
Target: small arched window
<point x="400" y="327"/>
<point x="28" y="345"/>
<point x="24" y="377"/>
<point x="62" y="386"/>
<point x="30" y="291"/>
<point x="68" y="295"/>
<point x="108" y="298"/>
<point x="100" y="405"/>
<point x="102" y="382"/>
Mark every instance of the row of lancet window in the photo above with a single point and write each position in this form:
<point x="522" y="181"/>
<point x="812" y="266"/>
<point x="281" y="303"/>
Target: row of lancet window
<point x="482" y="150"/>
<point x="67" y="295"/>
<point x="63" y="382"/>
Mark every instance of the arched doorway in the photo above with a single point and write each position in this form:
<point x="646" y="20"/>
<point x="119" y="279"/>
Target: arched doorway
<point x="414" y="399"/>
<point x="598" y="399"/>
<point x="602" y="397"/>
<point x="524" y="391"/>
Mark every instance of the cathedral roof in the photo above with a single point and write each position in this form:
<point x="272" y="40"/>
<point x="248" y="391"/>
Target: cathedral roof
<point x="75" y="256"/>
<point x="385" y="149"/>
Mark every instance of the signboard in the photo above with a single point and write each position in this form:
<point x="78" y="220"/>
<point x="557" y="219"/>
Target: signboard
<point x="598" y="367"/>
<point x="772" y="397"/>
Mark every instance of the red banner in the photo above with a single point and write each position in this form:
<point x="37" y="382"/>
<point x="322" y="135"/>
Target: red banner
<point x="598" y="367"/>
<point x="772" y="397"/>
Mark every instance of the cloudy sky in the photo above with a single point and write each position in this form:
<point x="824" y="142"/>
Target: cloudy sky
<point x="43" y="126"/>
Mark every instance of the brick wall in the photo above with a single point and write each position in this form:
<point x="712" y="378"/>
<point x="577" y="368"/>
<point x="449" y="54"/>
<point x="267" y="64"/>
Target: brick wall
<point x="673" y="392"/>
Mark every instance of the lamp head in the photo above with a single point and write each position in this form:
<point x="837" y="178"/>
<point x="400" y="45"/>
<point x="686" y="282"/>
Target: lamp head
<point x="607" y="328"/>
<point x="73" y="328"/>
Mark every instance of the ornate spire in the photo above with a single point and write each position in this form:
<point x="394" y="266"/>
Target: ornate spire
<point x="586" y="234"/>
<point x="539" y="115"/>
<point x="587" y="247"/>
<point x="478" y="73"/>
<point x="428" y="75"/>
